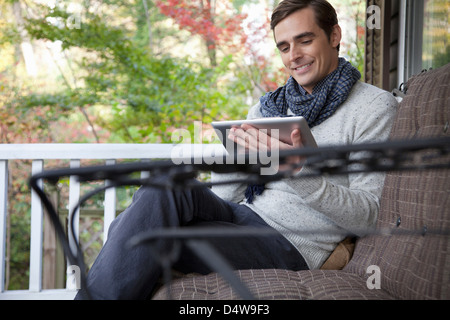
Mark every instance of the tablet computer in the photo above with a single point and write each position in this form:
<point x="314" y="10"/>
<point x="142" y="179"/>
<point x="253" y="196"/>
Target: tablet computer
<point x="283" y="125"/>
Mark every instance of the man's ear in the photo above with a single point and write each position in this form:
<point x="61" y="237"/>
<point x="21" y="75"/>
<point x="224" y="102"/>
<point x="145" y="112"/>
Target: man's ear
<point x="336" y="36"/>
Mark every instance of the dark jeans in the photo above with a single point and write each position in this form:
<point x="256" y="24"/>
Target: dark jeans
<point x="123" y="273"/>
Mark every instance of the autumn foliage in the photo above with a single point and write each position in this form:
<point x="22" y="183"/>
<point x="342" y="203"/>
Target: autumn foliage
<point x="200" y="18"/>
<point x="222" y="28"/>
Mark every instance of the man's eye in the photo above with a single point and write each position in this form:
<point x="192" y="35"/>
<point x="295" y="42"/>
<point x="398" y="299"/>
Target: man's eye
<point x="284" y="49"/>
<point x="307" y="42"/>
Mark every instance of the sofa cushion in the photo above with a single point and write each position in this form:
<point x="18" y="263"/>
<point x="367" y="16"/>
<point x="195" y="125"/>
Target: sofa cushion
<point x="273" y="284"/>
<point x="414" y="266"/>
<point x="411" y="266"/>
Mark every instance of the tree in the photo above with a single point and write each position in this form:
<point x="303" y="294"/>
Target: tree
<point x="131" y="91"/>
<point x="352" y="13"/>
<point x="224" y="27"/>
<point x="203" y="18"/>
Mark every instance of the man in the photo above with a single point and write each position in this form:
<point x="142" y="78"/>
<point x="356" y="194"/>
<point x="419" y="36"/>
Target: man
<point x="340" y="110"/>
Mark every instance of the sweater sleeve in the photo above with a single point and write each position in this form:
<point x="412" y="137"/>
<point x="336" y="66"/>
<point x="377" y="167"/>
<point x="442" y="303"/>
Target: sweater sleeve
<point x="353" y="207"/>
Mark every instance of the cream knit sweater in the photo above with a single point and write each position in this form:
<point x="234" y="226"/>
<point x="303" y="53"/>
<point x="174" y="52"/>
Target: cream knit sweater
<point x="331" y="203"/>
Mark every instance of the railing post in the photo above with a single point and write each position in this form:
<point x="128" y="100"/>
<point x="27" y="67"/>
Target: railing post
<point x="109" y="206"/>
<point x="3" y="214"/>
<point x="36" y="239"/>
<point x="74" y="197"/>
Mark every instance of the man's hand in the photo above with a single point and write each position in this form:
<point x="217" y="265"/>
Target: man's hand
<point x="254" y="140"/>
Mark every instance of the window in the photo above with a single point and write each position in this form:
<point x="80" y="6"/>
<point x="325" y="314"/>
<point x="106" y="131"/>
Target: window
<point x="424" y="36"/>
<point x="436" y="34"/>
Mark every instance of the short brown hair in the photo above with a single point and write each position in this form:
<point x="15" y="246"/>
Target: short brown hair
<point x="326" y="16"/>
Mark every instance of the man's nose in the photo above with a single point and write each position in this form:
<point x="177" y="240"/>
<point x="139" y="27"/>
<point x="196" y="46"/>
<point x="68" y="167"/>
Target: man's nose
<point x="295" y="54"/>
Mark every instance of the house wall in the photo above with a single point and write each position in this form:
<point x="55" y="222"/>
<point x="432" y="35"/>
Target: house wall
<point x="381" y="65"/>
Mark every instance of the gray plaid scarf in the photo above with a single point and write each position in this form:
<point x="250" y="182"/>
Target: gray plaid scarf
<point x="326" y="97"/>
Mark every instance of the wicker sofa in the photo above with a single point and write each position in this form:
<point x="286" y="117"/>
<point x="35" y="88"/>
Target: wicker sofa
<point x="413" y="266"/>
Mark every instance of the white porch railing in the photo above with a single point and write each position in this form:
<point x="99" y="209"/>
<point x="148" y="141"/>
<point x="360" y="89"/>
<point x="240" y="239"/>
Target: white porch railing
<point x="73" y="152"/>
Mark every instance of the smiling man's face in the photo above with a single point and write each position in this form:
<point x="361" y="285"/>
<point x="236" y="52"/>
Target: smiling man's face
<point x="305" y="49"/>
